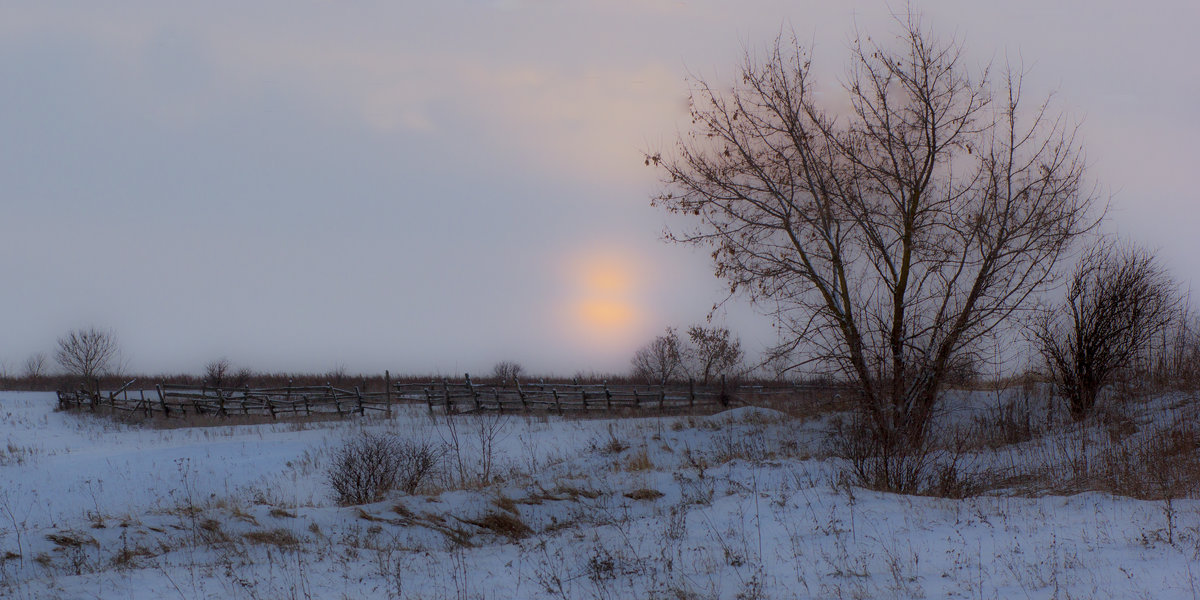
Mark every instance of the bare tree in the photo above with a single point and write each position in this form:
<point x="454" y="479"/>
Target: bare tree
<point x="889" y="238"/>
<point x="217" y="372"/>
<point x="1118" y="300"/>
<point x="35" y="366"/>
<point x="241" y="377"/>
<point x="713" y="352"/>
<point x="507" y="370"/>
<point x="87" y="353"/>
<point x="661" y="360"/>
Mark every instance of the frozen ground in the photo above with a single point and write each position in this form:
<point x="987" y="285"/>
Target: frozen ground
<point x="737" y="505"/>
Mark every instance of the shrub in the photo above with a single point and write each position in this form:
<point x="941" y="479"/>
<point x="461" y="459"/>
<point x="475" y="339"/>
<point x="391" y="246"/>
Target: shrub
<point x="371" y="465"/>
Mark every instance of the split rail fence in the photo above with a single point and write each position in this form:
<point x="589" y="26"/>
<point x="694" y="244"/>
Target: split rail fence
<point x="444" y="396"/>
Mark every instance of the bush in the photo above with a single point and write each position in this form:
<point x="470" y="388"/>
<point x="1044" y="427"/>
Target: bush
<point x="371" y="465"/>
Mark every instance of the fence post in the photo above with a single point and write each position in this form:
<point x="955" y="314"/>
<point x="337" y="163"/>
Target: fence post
<point x="358" y="394"/>
<point x="724" y="394"/>
<point x="145" y="405"/>
<point x="691" y="393"/>
<point x="387" y="391"/>
<point x="662" y="398"/>
<point x="608" y="396"/>
<point x="429" y="397"/>
<point x="449" y="404"/>
<point x="221" y="403"/>
<point x="337" y="404"/>
<point x="471" y="388"/>
<point x="521" y="394"/>
<point x="162" y="400"/>
<point x="582" y="394"/>
<point x="637" y="401"/>
<point x="266" y="399"/>
<point x="557" y="403"/>
<point x="499" y="403"/>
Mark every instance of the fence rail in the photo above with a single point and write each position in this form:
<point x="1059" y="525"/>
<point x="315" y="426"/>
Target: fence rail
<point x="444" y="396"/>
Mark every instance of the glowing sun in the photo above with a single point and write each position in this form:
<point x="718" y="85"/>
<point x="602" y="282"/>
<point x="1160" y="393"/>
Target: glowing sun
<point x="602" y="304"/>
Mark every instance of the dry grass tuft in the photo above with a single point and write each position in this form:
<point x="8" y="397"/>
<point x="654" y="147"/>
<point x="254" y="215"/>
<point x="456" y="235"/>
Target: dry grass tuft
<point x="242" y="515"/>
<point x="612" y="445"/>
<point x="573" y="492"/>
<point x="505" y="503"/>
<point x="278" y="537"/>
<point x="639" y="461"/>
<point x="644" y="494"/>
<point x="72" y="539"/>
<point x="366" y="516"/>
<point x="127" y="557"/>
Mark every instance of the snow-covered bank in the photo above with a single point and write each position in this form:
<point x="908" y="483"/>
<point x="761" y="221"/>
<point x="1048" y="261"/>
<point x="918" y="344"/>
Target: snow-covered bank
<point x="737" y="505"/>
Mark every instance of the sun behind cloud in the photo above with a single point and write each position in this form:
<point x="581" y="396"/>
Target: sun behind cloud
<point x="602" y="307"/>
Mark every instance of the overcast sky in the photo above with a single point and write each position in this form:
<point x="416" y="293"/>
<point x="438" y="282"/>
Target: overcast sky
<point x="432" y="187"/>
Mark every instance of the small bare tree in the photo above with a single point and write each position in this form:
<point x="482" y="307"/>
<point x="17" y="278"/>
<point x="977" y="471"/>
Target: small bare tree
<point x="217" y="372"/>
<point x="87" y="353"/>
<point x="507" y="370"/>
<point x="1118" y="300"/>
<point x="714" y="352"/>
<point x="35" y="366"/>
<point x="242" y="377"/>
<point x="888" y="237"/>
<point x="661" y="360"/>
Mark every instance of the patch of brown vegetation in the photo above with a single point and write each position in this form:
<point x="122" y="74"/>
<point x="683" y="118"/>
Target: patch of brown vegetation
<point x="72" y="539"/>
<point x="639" y="461"/>
<point x="644" y="494"/>
<point x="505" y="503"/>
<point x="572" y="492"/>
<point x="279" y="537"/>
<point x="505" y="524"/>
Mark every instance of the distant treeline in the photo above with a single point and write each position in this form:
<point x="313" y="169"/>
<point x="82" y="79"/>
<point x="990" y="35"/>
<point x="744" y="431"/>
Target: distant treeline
<point x="365" y="382"/>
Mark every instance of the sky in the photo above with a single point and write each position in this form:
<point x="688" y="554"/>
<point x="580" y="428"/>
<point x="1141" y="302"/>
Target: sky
<point x="435" y="187"/>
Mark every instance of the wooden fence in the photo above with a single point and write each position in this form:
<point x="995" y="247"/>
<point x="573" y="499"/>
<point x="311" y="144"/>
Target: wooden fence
<point x="465" y="396"/>
<point x="444" y="396"/>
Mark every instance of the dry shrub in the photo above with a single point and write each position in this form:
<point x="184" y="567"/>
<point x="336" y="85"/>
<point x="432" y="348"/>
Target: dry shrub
<point x="935" y="468"/>
<point x="1162" y="464"/>
<point x="365" y="468"/>
<point x="1008" y="423"/>
<point x="1109" y="453"/>
<point x="746" y="445"/>
<point x="873" y="465"/>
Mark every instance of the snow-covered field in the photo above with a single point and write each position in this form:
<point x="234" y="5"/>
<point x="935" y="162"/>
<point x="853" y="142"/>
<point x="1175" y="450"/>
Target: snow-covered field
<point x="743" y="504"/>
